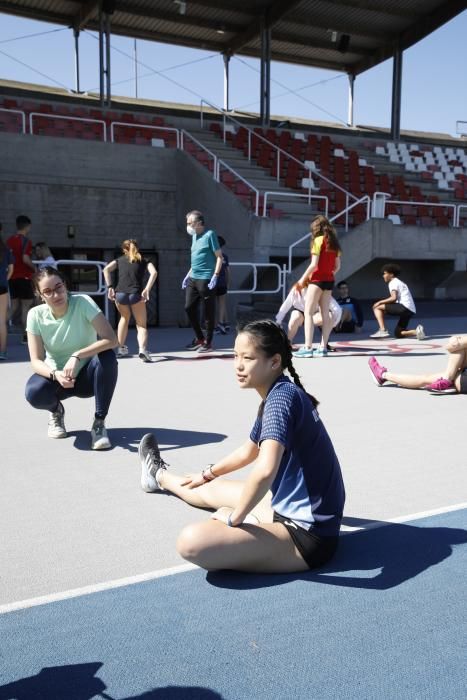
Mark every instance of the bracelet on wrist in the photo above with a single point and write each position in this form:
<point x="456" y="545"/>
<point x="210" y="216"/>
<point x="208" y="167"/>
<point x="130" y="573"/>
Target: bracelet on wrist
<point x="207" y="475"/>
<point x="76" y="357"/>
<point x="229" y="520"/>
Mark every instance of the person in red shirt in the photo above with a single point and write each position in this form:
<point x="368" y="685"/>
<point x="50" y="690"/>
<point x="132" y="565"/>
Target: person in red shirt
<point x="20" y="285"/>
<point x="319" y="275"/>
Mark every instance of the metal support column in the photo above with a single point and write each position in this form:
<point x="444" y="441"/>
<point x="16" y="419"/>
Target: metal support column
<point x="350" y="116"/>
<point x="135" y="52"/>
<point x="265" y="79"/>
<point x="396" y="95"/>
<point x="104" y="59"/>
<point x="77" y="82"/>
<point x="226" y="57"/>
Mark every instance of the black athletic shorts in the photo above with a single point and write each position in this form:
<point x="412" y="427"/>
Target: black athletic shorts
<point x="21" y="289"/>
<point x="3" y="290"/>
<point x="463" y="380"/>
<point x="325" y="286"/>
<point x="345" y="327"/>
<point x="128" y="298"/>
<point x="220" y="291"/>
<point x="315" y="550"/>
<point x="404" y="315"/>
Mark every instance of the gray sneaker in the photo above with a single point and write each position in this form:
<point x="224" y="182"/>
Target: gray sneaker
<point x="420" y="331"/>
<point x="99" y="437"/>
<point x="151" y="463"/>
<point x="56" y="427"/>
<point x="145" y="356"/>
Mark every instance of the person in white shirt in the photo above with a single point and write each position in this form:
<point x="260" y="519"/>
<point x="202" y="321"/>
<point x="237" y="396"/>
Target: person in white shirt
<point x="295" y="301"/>
<point x="399" y="303"/>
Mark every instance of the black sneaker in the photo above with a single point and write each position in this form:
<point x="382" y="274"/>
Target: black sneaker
<point x="151" y="462"/>
<point x="195" y="344"/>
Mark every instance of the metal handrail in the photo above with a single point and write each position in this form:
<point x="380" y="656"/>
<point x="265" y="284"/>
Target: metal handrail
<point x="277" y="148"/>
<point x="385" y="200"/>
<point x="293" y="194"/>
<point x="240" y="177"/>
<point x="16" y="111"/>
<point x="61" y="116"/>
<point x="346" y="211"/>
<point x="184" y="133"/>
<point x="135" y="125"/>
<point x="101" y="290"/>
<point x="255" y="267"/>
<point x="458" y="217"/>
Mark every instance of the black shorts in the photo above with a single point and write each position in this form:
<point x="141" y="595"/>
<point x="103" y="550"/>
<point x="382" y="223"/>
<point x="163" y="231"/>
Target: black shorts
<point x="3" y="290"/>
<point x="463" y="381"/>
<point x="220" y="291"/>
<point x="21" y="289"/>
<point x="315" y="550"/>
<point x="345" y="327"/>
<point x="128" y="298"/>
<point x="325" y="286"/>
<point x="404" y="316"/>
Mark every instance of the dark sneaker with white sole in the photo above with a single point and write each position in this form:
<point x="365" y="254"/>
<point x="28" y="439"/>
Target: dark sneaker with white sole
<point x="151" y="463"/>
<point x="99" y="438"/>
<point x="195" y="344"/>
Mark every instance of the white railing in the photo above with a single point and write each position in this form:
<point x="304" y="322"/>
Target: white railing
<point x="101" y="290"/>
<point x="254" y="289"/>
<point x="459" y="207"/>
<point x="309" y="197"/>
<point x="184" y="134"/>
<point x="136" y="125"/>
<point x="363" y="200"/>
<point x="381" y="199"/>
<point x="461" y="128"/>
<point x="223" y="164"/>
<point x="16" y="111"/>
<point x="46" y="115"/>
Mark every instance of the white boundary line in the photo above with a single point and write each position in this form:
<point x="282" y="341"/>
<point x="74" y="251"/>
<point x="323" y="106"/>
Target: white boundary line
<point x="152" y="575"/>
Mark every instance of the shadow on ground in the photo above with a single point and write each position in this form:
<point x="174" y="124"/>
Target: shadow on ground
<point x="168" y="438"/>
<point x="79" y="682"/>
<point x="396" y="552"/>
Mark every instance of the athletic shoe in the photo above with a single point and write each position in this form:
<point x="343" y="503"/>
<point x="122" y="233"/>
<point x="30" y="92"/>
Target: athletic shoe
<point x="24" y="339"/>
<point x="330" y="348"/>
<point x="145" y="356"/>
<point x="195" y="344"/>
<point x="220" y="328"/>
<point x="56" y="428"/>
<point x="303" y="352"/>
<point x="442" y="386"/>
<point x="3" y="356"/>
<point x="320" y="352"/>
<point x="99" y="437"/>
<point x="122" y="351"/>
<point x="377" y="371"/>
<point x="151" y="463"/>
<point x="380" y="334"/>
<point x="205" y="347"/>
<point x="420" y="331"/>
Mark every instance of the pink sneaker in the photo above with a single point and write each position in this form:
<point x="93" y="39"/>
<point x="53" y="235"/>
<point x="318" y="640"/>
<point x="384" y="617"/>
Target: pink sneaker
<point x="442" y="386"/>
<point x="377" y="371"/>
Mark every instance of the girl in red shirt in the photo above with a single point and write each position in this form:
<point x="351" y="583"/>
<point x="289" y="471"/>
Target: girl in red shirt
<point x="319" y="276"/>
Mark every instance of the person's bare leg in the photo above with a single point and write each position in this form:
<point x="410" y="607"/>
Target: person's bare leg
<point x="379" y="315"/>
<point x="124" y="320"/>
<point x="324" y="304"/>
<point x="313" y="295"/>
<point x="139" y="313"/>
<point x="456" y="362"/>
<point x="295" y="321"/>
<point x="214" y="494"/>
<point x="265" y="548"/>
<point x="221" y="309"/>
<point x="408" y="334"/>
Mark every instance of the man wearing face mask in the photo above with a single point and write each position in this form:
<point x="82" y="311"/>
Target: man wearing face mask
<point x="201" y="280"/>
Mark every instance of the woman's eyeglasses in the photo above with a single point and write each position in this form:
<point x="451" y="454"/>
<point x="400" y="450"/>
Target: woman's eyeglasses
<point x="58" y="289"/>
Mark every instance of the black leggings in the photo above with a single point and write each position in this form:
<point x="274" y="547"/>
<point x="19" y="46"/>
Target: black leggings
<point x="98" y="378"/>
<point x="196" y="291"/>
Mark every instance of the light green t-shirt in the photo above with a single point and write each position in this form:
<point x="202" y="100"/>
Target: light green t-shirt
<point x="203" y="259"/>
<point x="65" y="335"/>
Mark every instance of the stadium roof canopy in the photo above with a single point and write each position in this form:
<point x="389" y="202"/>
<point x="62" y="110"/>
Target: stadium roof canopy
<point x="342" y="35"/>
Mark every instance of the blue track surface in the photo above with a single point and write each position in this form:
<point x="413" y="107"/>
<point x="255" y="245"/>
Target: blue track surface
<point x="386" y="620"/>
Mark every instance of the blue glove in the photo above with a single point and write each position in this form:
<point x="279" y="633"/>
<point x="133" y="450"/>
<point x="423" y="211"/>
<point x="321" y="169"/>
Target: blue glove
<point x="186" y="279"/>
<point x="213" y="281"/>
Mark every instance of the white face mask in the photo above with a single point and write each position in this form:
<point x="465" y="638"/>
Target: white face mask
<point x="190" y="230"/>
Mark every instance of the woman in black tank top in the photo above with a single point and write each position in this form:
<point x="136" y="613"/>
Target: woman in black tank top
<point x="131" y="294"/>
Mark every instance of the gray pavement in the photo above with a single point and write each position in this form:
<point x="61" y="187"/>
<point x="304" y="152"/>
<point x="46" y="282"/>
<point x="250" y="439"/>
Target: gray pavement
<point x="70" y="517"/>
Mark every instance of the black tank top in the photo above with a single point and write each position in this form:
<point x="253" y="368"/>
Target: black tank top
<point x="130" y="275"/>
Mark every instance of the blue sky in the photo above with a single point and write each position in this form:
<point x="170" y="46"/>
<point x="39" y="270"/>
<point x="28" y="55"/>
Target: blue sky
<point x="434" y="93"/>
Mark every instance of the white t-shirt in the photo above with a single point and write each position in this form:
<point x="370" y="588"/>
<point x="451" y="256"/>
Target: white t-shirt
<point x="404" y="296"/>
<point x="296" y="300"/>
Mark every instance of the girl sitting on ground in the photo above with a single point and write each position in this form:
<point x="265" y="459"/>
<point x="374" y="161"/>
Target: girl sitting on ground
<point x="286" y="516"/>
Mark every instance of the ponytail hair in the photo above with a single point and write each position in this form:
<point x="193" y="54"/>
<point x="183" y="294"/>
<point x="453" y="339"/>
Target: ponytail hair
<point x="131" y="250"/>
<point x="271" y="339"/>
<point x="321" y="226"/>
